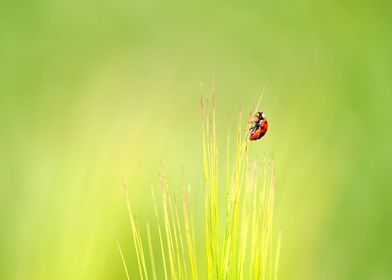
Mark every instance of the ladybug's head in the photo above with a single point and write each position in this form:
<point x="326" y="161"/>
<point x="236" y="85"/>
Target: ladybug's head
<point x="261" y="115"/>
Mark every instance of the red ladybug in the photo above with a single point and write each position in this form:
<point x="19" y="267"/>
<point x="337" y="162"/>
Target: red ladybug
<point x="259" y="126"/>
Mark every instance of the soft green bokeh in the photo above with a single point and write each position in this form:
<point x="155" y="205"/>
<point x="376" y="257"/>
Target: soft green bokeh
<point x="92" y="92"/>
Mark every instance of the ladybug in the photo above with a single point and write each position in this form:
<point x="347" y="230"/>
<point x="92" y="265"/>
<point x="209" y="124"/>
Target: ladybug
<point x="259" y="126"/>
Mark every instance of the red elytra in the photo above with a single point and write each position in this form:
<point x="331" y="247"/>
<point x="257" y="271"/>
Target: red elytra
<point x="259" y="127"/>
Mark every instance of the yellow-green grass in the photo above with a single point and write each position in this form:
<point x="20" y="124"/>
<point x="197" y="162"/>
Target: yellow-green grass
<point x="243" y="247"/>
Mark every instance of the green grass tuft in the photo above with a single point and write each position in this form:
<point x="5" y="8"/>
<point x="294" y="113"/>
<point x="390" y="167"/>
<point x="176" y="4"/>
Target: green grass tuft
<point x="243" y="247"/>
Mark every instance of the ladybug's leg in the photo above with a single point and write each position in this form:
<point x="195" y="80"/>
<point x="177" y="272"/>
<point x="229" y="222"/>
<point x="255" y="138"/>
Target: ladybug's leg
<point x="254" y="127"/>
<point x="253" y="118"/>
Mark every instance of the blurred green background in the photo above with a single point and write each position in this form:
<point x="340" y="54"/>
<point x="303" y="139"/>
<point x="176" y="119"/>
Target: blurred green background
<point x="95" y="91"/>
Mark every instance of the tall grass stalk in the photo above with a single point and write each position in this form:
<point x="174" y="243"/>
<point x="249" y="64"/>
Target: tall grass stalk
<point x="243" y="246"/>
